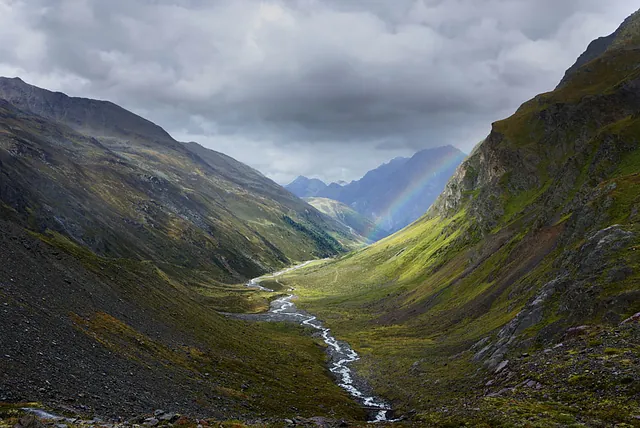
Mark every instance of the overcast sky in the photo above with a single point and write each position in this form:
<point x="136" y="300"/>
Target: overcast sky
<point x="327" y="89"/>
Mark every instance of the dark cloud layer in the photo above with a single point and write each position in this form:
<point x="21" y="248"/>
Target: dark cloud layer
<point x="325" y="88"/>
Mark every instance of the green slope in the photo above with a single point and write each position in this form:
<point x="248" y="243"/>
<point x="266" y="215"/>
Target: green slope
<point x="115" y="338"/>
<point x="121" y="186"/>
<point x="118" y="245"/>
<point x="461" y="315"/>
<point x="342" y="213"/>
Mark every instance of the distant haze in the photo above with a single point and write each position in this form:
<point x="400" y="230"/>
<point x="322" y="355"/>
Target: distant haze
<point x="391" y="196"/>
<point x="326" y="89"/>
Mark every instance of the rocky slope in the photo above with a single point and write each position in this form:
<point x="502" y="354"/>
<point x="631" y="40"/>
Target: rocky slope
<point x="90" y="336"/>
<point x="118" y="247"/>
<point x="512" y="301"/>
<point x="396" y="193"/>
<point x="121" y="186"/>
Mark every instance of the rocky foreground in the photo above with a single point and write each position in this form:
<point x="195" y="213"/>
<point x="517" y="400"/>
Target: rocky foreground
<point x="21" y="416"/>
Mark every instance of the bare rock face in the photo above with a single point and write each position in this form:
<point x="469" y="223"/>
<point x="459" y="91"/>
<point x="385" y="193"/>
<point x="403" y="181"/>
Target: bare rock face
<point x="600" y="246"/>
<point x="565" y="175"/>
<point x="573" y="287"/>
<point x="493" y="352"/>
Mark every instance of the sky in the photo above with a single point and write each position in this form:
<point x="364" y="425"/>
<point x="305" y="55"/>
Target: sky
<point x="322" y="88"/>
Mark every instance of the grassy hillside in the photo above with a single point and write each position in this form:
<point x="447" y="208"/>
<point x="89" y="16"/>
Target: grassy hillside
<point x="338" y="211"/>
<point x="118" y="247"/>
<point x="116" y="338"/>
<point x="122" y="187"/>
<point x="505" y="305"/>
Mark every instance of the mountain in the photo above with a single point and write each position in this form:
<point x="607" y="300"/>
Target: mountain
<point x="304" y="187"/>
<point x="121" y="186"/>
<point x="119" y="245"/>
<point x="347" y="216"/>
<point x="516" y="299"/>
<point x="396" y="193"/>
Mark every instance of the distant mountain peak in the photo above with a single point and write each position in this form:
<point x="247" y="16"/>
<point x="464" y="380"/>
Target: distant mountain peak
<point x="304" y="187"/>
<point x="395" y="193"/>
<point x="626" y="35"/>
<point x="97" y="117"/>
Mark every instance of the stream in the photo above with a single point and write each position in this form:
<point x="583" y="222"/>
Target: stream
<point x="341" y="355"/>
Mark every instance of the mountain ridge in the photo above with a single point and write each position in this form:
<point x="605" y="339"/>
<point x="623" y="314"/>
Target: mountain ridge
<point x="120" y="246"/>
<point x="347" y="216"/>
<point x="394" y="194"/>
<point x="148" y="187"/>
<point x="522" y="279"/>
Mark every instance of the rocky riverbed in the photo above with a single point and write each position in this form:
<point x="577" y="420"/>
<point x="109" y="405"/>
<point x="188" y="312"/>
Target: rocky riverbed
<point x="341" y="355"/>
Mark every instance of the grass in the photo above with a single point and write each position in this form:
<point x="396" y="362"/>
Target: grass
<point x="414" y="303"/>
<point x="283" y="366"/>
<point x="418" y="305"/>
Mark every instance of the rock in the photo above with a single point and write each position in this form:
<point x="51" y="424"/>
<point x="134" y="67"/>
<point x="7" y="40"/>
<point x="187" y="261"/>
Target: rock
<point x="480" y="343"/>
<point x="415" y="367"/>
<point x="500" y="393"/>
<point x="158" y="412"/>
<point x="171" y="417"/>
<point x="632" y="319"/>
<point x="135" y="420"/>
<point x="288" y="421"/>
<point x="600" y="246"/>
<point x="320" y="421"/>
<point x="532" y="384"/>
<point x="501" y="366"/>
<point x="29" y="422"/>
<point x="577" y="331"/>
<point x="619" y="273"/>
<point x="530" y="315"/>
<point x="151" y="422"/>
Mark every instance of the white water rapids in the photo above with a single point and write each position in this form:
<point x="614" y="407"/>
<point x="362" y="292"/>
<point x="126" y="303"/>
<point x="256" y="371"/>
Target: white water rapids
<point x="341" y="354"/>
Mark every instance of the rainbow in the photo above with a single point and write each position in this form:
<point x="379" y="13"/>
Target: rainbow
<point x="449" y="162"/>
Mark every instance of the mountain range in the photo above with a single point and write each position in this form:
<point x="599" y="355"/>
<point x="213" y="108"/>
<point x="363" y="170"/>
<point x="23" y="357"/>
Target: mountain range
<point x="393" y="195"/>
<point x="119" y="245"/>
<point x="513" y="300"/>
<point x="121" y="186"/>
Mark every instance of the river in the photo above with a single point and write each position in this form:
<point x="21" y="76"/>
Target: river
<point x="341" y="355"/>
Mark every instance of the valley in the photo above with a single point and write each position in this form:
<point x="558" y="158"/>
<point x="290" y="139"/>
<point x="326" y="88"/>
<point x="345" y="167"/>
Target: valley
<point x="513" y="298"/>
<point x="387" y="198"/>
<point x="149" y="282"/>
<point x="340" y="354"/>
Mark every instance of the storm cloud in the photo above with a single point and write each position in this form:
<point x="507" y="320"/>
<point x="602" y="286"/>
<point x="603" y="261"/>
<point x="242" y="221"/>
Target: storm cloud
<point x="321" y="88"/>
